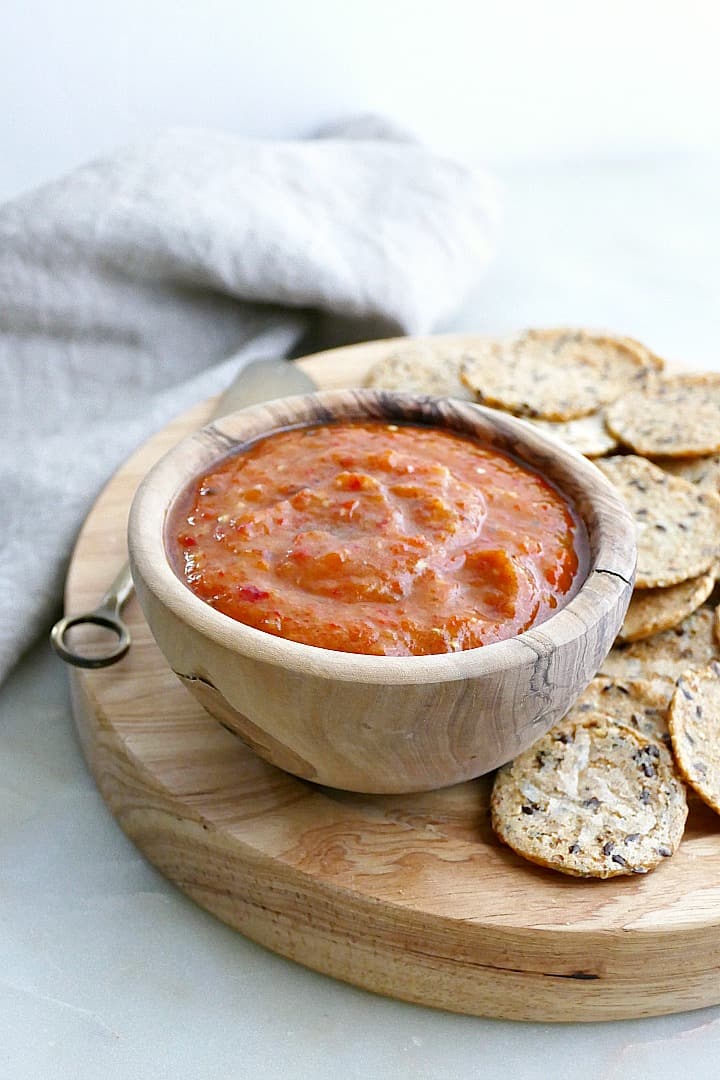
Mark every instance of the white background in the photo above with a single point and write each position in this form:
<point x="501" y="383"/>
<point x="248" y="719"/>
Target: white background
<point x="500" y="81"/>
<point x="602" y="123"/>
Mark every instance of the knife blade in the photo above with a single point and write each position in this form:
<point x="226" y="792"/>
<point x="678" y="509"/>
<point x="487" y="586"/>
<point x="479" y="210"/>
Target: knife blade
<point x="261" y="380"/>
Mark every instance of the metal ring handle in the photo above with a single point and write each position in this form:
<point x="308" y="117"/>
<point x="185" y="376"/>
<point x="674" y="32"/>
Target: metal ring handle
<point x="107" y="615"/>
<point x="93" y="618"/>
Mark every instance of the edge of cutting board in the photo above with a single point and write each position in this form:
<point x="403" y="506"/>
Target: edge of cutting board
<point x="407" y="896"/>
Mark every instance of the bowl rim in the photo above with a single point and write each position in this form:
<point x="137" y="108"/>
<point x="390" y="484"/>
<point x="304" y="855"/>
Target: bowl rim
<point x="612" y="534"/>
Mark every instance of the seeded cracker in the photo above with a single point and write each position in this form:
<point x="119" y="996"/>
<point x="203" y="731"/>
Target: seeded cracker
<point x="421" y="369"/>
<point x="703" y="471"/>
<point x="649" y="357"/>
<point x="556" y="374"/>
<point x="690" y="645"/>
<point x="654" y="610"/>
<point x="591" y="799"/>
<point x="588" y="434"/>
<point x="676" y="417"/>
<point x="695" y="731"/>
<point x="678" y="525"/>
<point x="640" y="703"/>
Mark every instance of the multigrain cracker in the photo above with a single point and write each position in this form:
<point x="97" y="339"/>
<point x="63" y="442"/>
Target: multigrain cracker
<point x="587" y="434"/>
<point x="694" y="721"/>
<point x="591" y="799"/>
<point x="649" y="357"/>
<point x="692" y="644"/>
<point x="556" y="374"/>
<point x="653" y="610"/>
<point x="640" y="703"/>
<point x="703" y="471"/>
<point x="570" y="341"/>
<point x="421" y="369"/>
<point x="675" y="417"/>
<point x="677" y="524"/>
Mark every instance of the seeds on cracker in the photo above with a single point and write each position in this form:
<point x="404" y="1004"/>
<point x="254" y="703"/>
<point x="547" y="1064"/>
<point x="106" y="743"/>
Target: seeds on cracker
<point x="694" y="722"/>
<point x="676" y="417"/>
<point x="692" y="644"/>
<point x="591" y="799"/>
<point x="677" y="524"/>
<point x="640" y="703"/>
<point x="421" y="369"/>
<point x="703" y="471"/>
<point x="587" y="434"/>
<point x="653" y="610"/>
<point x="556" y="374"/>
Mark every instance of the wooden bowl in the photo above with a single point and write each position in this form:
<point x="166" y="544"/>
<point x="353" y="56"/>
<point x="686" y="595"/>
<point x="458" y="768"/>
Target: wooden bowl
<point x="381" y="724"/>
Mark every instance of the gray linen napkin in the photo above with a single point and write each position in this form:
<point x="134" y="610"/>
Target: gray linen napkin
<point x="137" y="286"/>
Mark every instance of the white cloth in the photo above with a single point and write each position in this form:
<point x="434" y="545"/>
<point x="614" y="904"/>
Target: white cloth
<point x="139" y="284"/>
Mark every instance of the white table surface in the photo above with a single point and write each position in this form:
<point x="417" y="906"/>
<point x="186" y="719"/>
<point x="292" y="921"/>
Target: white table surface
<point x="106" y="970"/>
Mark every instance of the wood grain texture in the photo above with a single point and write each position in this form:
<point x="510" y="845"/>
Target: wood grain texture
<point x="376" y="723"/>
<point x="407" y="895"/>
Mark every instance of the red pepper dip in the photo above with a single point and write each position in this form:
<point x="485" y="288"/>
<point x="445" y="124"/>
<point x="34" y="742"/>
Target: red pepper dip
<point x="377" y="538"/>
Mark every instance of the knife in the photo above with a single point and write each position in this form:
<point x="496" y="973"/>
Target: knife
<point x="261" y="380"/>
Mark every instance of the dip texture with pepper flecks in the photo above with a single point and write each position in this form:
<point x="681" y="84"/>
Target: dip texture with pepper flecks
<point x="369" y="537"/>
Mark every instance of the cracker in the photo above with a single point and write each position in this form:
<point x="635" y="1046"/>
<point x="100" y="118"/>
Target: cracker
<point x="587" y="434"/>
<point x="421" y="369"/>
<point x="592" y="799"/>
<point x="677" y="524"/>
<point x="650" y="358"/>
<point x="556" y="374"/>
<point x="675" y="417"/>
<point x="703" y="471"/>
<point x="653" y="610"/>
<point x="692" y="644"/>
<point x="694" y="722"/>
<point x="640" y="703"/>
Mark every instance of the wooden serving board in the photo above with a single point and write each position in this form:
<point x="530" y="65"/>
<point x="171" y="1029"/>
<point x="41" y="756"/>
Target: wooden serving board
<point x="409" y="896"/>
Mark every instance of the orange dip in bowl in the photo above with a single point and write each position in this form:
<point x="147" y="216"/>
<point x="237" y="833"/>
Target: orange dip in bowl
<point x="377" y="538"/>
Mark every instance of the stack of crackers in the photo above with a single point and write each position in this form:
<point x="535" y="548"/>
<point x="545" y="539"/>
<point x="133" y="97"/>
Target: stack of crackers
<point x="604" y="793"/>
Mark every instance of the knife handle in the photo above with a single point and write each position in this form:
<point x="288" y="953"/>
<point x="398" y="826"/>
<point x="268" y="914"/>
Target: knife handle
<point x="260" y="380"/>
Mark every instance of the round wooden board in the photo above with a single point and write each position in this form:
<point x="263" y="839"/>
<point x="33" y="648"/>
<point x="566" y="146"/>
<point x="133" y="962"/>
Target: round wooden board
<point x="408" y="896"/>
